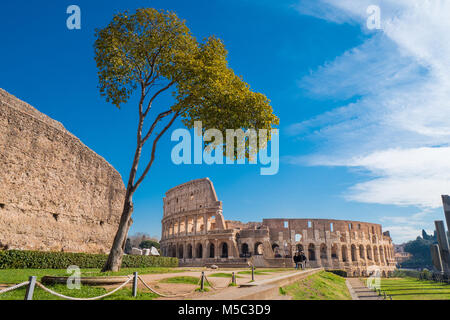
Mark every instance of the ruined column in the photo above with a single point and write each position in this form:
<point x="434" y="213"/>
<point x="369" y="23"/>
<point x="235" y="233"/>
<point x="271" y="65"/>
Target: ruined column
<point x="206" y="223"/>
<point x="195" y="224"/>
<point x="217" y="250"/>
<point x="317" y="254"/>
<point x="446" y="203"/>
<point x="436" y="257"/>
<point x="443" y="244"/>
<point x="329" y="258"/>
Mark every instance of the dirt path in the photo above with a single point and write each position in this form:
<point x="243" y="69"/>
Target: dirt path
<point x="218" y="283"/>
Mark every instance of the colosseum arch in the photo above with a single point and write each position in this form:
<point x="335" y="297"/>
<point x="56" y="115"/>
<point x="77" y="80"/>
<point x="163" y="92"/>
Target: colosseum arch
<point x="375" y="254"/>
<point x="224" y="250"/>
<point x="299" y="247"/>
<point x="180" y="251"/>
<point x="334" y="251"/>
<point x="199" y="251"/>
<point x="259" y="249"/>
<point x="245" y="251"/>
<point x="353" y="253"/>
<point x="323" y="251"/>
<point x="369" y="253"/>
<point x="381" y="254"/>
<point x="189" y="251"/>
<point x="344" y="253"/>
<point x="173" y="251"/>
<point x="312" y="252"/>
<point x="211" y="250"/>
<point x="361" y="252"/>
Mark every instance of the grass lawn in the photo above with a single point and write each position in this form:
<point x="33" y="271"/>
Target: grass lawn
<point x="319" y="286"/>
<point x="14" y="276"/>
<point x="266" y="271"/>
<point x="222" y="275"/>
<point x="83" y="292"/>
<point x="184" y="280"/>
<point x="414" y="289"/>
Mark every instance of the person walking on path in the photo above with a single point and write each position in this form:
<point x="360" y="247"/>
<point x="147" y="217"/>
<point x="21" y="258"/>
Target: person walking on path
<point x="296" y="259"/>
<point x="302" y="259"/>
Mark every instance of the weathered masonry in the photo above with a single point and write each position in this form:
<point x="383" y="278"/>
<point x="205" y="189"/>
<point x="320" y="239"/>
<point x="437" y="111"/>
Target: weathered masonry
<point x="56" y="194"/>
<point x="195" y="231"/>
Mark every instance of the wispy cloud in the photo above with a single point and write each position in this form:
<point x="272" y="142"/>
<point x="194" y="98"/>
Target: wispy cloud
<point x="398" y="128"/>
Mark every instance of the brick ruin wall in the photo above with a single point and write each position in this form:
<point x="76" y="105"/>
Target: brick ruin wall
<point x="55" y="193"/>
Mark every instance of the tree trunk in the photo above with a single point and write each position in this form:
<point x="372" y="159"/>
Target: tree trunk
<point x="114" y="261"/>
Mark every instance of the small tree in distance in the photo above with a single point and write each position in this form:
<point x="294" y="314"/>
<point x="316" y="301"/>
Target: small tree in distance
<point x="151" y="52"/>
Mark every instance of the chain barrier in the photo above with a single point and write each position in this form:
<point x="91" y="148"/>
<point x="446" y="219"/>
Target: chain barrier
<point x="217" y="288"/>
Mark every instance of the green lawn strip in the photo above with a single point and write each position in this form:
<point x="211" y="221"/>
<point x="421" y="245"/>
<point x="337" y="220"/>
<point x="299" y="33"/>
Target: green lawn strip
<point x="266" y="271"/>
<point x="319" y="286"/>
<point x="256" y="272"/>
<point x="14" y="276"/>
<point x="222" y="275"/>
<point x="83" y="292"/>
<point x="183" y="280"/>
<point x="414" y="289"/>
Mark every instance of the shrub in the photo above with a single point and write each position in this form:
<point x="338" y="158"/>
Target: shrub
<point x="15" y="259"/>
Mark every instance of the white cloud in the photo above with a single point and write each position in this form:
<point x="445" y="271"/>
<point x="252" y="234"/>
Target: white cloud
<point x="398" y="127"/>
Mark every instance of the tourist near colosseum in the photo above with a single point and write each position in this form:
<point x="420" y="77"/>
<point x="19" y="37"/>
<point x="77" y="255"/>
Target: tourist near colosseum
<point x="194" y="230"/>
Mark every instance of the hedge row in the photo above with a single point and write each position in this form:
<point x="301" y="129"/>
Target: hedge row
<point x="15" y="259"/>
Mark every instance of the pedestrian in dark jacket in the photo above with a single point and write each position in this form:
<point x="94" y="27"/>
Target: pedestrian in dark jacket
<point x="302" y="259"/>
<point x="297" y="260"/>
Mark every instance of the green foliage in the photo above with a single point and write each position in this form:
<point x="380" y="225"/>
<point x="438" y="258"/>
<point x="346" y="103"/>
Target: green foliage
<point x="421" y="255"/>
<point x="15" y="259"/>
<point x="152" y="51"/>
<point x="148" y="244"/>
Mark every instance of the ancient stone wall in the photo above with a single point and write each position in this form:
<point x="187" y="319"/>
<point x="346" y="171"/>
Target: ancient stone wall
<point x="55" y="193"/>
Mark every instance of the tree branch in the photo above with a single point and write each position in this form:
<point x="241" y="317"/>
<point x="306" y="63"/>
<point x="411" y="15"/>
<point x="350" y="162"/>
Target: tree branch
<point x="156" y="95"/>
<point x="153" y="152"/>
<point x="158" y="118"/>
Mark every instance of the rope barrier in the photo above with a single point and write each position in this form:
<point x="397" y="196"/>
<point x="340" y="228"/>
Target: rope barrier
<point x="217" y="288"/>
<point x="40" y="285"/>
<point x="17" y="286"/>
<point x="167" y="295"/>
<point x="130" y="278"/>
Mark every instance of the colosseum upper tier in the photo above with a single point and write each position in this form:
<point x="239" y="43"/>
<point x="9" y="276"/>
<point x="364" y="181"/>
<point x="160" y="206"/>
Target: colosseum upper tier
<point x="195" y="231"/>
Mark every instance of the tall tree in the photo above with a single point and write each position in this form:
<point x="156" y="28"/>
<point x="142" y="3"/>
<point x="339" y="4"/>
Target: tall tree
<point x="152" y="52"/>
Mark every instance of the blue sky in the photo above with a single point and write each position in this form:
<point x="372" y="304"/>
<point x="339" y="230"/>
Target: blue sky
<point x="364" y="114"/>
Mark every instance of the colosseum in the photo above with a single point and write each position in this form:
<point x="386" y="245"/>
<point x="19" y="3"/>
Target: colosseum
<point x="195" y="230"/>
